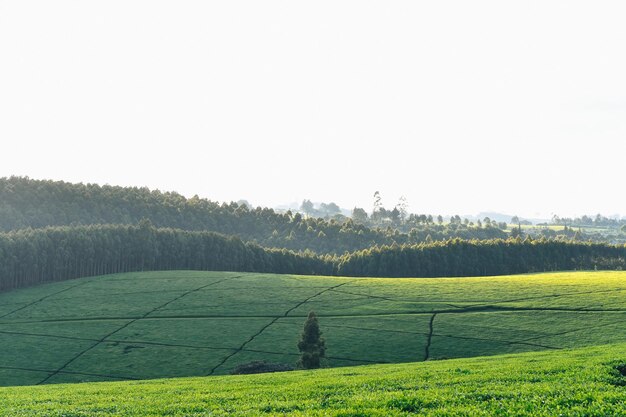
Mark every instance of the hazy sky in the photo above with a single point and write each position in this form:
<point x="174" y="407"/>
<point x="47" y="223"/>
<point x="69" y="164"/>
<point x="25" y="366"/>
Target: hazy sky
<point x="462" y="106"/>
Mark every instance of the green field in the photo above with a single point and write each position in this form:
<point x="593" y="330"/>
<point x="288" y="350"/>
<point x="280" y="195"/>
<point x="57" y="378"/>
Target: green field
<point x="181" y="323"/>
<point x="582" y="382"/>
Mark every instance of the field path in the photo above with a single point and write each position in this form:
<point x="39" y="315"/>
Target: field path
<point x="103" y="339"/>
<point x="254" y="336"/>
<point x="430" y="337"/>
<point x="192" y="323"/>
<point x="32" y="303"/>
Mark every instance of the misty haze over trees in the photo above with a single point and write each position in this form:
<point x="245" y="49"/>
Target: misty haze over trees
<point x="27" y="203"/>
<point x="399" y="218"/>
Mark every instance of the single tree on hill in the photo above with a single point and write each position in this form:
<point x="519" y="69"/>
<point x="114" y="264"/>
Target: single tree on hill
<point x="311" y="345"/>
<point x="517" y="231"/>
<point x="307" y="207"/>
<point x="359" y="215"/>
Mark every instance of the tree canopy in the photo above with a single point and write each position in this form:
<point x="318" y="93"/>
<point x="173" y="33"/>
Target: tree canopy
<point x="33" y="256"/>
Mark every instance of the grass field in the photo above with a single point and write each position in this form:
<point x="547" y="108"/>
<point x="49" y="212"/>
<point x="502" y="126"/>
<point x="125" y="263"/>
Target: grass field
<point x="583" y="382"/>
<point x="177" y="323"/>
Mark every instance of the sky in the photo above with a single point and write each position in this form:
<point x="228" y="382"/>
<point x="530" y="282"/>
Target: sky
<point x="462" y="107"/>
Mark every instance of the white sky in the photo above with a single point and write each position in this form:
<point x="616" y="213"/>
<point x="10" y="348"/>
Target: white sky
<point x="462" y="106"/>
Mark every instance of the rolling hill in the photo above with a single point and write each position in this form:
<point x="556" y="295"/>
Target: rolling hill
<point x="28" y="203"/>
<point x="582" y="382"/>
<point x="182" y="323"/>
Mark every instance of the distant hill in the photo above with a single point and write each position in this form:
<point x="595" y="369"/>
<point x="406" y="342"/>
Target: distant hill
<point x="29" y="203"/>
<point x="32" y="203"/>
<point x="503" y="217"/>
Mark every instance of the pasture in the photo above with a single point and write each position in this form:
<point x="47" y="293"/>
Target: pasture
<point x="185" y="323"/>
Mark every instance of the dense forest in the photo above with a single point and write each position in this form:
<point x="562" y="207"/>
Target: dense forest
<point x="35" y="203"/>
<point x="52" y="230"/>
<point x="33" y="256"/>
<point x="481" y="258"/>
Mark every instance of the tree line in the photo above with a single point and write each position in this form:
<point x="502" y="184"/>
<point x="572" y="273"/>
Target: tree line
<point x="598" y="220"/>
<point x="32" y="203"/>
<point x="34" y="256"/>
<point x="459" y="258"/>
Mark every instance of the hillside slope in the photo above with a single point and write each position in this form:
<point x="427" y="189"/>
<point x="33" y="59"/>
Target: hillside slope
<point x="26" y="202"/>
<point x="34" y="256"/>
<point x="582" y="382"/>
<point x="177" y="323"/>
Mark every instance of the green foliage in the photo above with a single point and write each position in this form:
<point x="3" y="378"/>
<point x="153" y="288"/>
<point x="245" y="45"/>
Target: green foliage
<point x="260" y="367"/>
<point x="29" y="257"/>
<point x="183" y="323"/>
<point x="33" y="256"/>
<point x="479" y="258"/>
<point x="26" y="203"/>
<point x="597" y="220"/>
<point x="516" y="232"/>
<point x="568" y="383"/>
<point x="312" y="346"/>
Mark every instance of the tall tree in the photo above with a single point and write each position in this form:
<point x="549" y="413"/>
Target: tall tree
<point x="359" y="215"/>
<point x="312" y="346"/>
<point x="403" y="208"/>
<point x="377" y="202"/>
<point x="307" y="207"/>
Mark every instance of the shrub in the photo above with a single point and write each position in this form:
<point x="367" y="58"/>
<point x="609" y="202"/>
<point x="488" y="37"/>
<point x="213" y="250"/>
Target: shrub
<point x="260" y="367"/>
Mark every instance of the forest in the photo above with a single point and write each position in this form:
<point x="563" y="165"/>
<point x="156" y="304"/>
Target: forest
<point x="458" y="257"/>
<point x="28" y="203"/>
<point x="33" y="256"/>
<point x="53" y="230"/>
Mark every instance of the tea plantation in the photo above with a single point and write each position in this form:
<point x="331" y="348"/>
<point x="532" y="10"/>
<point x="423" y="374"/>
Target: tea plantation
<point x="583" y="382"/>
<point x="181" y="323"/>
